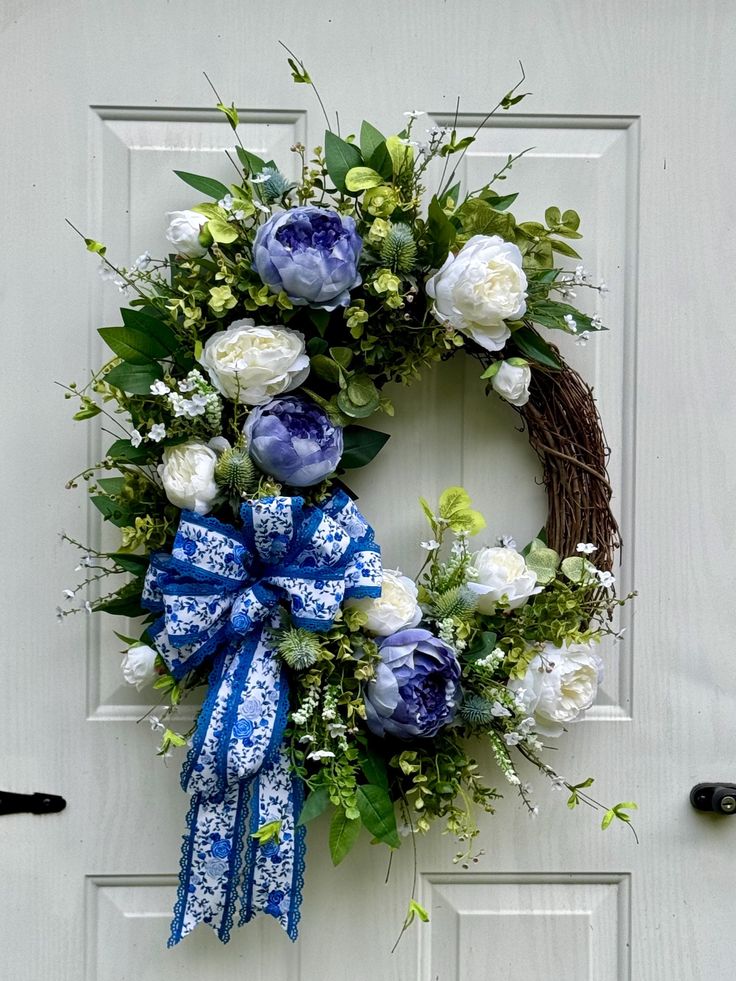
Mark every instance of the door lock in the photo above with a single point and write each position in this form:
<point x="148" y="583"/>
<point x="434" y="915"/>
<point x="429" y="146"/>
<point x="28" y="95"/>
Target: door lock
<point x="714" y="797"/>
<point x="30" y="803"/>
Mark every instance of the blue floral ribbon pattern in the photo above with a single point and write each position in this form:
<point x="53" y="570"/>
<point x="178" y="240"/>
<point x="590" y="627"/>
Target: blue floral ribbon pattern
<point x="222" y="593"/>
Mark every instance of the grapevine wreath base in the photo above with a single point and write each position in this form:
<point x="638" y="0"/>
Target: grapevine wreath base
<point x="240" y="381"/>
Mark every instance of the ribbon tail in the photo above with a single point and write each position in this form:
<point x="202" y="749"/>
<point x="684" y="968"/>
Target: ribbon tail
<point x="274" y="871"/>
<point x="210" y="863"/>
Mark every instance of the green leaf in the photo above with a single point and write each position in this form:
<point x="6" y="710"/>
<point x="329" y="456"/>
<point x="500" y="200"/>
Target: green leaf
<point x="415" y="909"/>
<point x="123" y="451"/>
<point x="453" y="147"/>
<point x="576" y="569"/>
<point x="479" y="218"/>
<point x="111" y="511"/>
<point x="151" y="325"/>
<point x="343" y="356"/>
<point x="344" y="832"/>
<point x="111" y="485"/>
<point x="552" y="217"/>
<point x="361" y="178"/>
<point x="94" y="246"/>
<point x="451" y="194"/>
<point x="374" y="769"/>
<point x="499" y="202"/>
<point x="360" y="446"/>
<point x="608" y="818"/>
<point x="543" y="561"/>
<point x="428" y="513"/>
<point x="251" y="162"/>
<point x="137" y="564"/>
<point x="326" y="368"/>
<point x="370" y="139"/>
<point x="377" y="814"/>
<point x="314" y="805"/>
<point x="401" y="155"/>
<point x="320" y="319"/>
<point x="442" y="233"/>
<point x="571" y="219"/>
<point x="483" y="646"/>
<point x="456" y="510"/>
<point x="134" y="378"/>
<point x="360" y="398"/>
<point x="267" y="832"/>
<point x="207" y="185"/>
<point x="298" y="72"/>
<point x="535" y="347"/>
<point x="89" y="411"/>
<point x="563" y="248"/>
<point x="340" y="157"/>
<point x="125" y="603"/>
<point x="380" y="160"/>
<point x="133" y="345"/>
<point x="232" y="117"/>
<point x="316" y="345"/>
<point x="222" y="231"/>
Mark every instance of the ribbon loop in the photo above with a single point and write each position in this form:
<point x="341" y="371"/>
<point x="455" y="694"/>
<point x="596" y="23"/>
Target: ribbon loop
<point x="221" y="593"/>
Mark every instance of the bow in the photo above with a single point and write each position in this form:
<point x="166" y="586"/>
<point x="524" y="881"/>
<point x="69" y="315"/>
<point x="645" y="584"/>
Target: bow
<point x="222" y="594"/>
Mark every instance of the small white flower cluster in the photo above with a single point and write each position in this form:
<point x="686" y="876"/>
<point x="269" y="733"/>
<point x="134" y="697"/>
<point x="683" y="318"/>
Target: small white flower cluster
<point x="203" y="400"/>
<point x="490" y="661"/>
<point x="307" y="709"/>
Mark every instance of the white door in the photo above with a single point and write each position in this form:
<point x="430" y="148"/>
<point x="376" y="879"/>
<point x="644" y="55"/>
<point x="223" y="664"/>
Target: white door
<point x="101" y="102"/>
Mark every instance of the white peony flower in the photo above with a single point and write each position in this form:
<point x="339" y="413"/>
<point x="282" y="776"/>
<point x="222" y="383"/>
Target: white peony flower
<point x="251" y="364"/>
<point x="188" y="476"/>
<point x="395" y="609"/>
<point x="183" y="233"/>
<point x="480" y="288"/>
<point x="501" y="573"/>
<point x="139" y="665"/>
<point x="560" y="684"/>
<point x="511" y="382"/>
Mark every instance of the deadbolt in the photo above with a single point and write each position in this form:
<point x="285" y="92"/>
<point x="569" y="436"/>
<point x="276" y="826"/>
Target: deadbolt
<point x="718" y="798"/>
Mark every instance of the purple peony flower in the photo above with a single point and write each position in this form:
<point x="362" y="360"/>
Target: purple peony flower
<point x="310" y="253"/>
<point x="416" y="690"/>
<point x="292" y="439"/>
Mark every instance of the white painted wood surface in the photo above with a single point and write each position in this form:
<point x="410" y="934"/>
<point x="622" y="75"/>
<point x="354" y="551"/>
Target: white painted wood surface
<point x="632" y="121"/>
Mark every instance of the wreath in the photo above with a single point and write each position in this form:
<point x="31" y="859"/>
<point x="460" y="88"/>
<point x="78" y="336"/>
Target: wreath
<point x="240" y="380"/>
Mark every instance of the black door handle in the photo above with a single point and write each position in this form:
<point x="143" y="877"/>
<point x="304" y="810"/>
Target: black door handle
<point x="714" y="797"/>
<point x="30" y="803"/>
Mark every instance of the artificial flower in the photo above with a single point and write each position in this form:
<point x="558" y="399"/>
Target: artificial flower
<point x="397" y="608"/>
<point x="311" y="254"/>
<point x="183" y="233"/>
<point x="293" y="440"/>
<point x="188" y="476"/>
<point x="251" y="364"/>
<point x="501" y="574"/>
<point x="479" y="289"/>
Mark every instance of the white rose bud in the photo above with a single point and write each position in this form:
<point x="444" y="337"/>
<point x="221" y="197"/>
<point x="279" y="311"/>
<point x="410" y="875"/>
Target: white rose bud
<point x="560" y="684"/>
<point x="512" y="380"/>
<point x="183" y="233"/>
<point x="502" y="574"/>
<point x="480" y="288"/>
<point x="188" y="476"/>
<point x="395" y="609"/>
<point x="252" y="364"/>
<point x="139" y="665"/>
